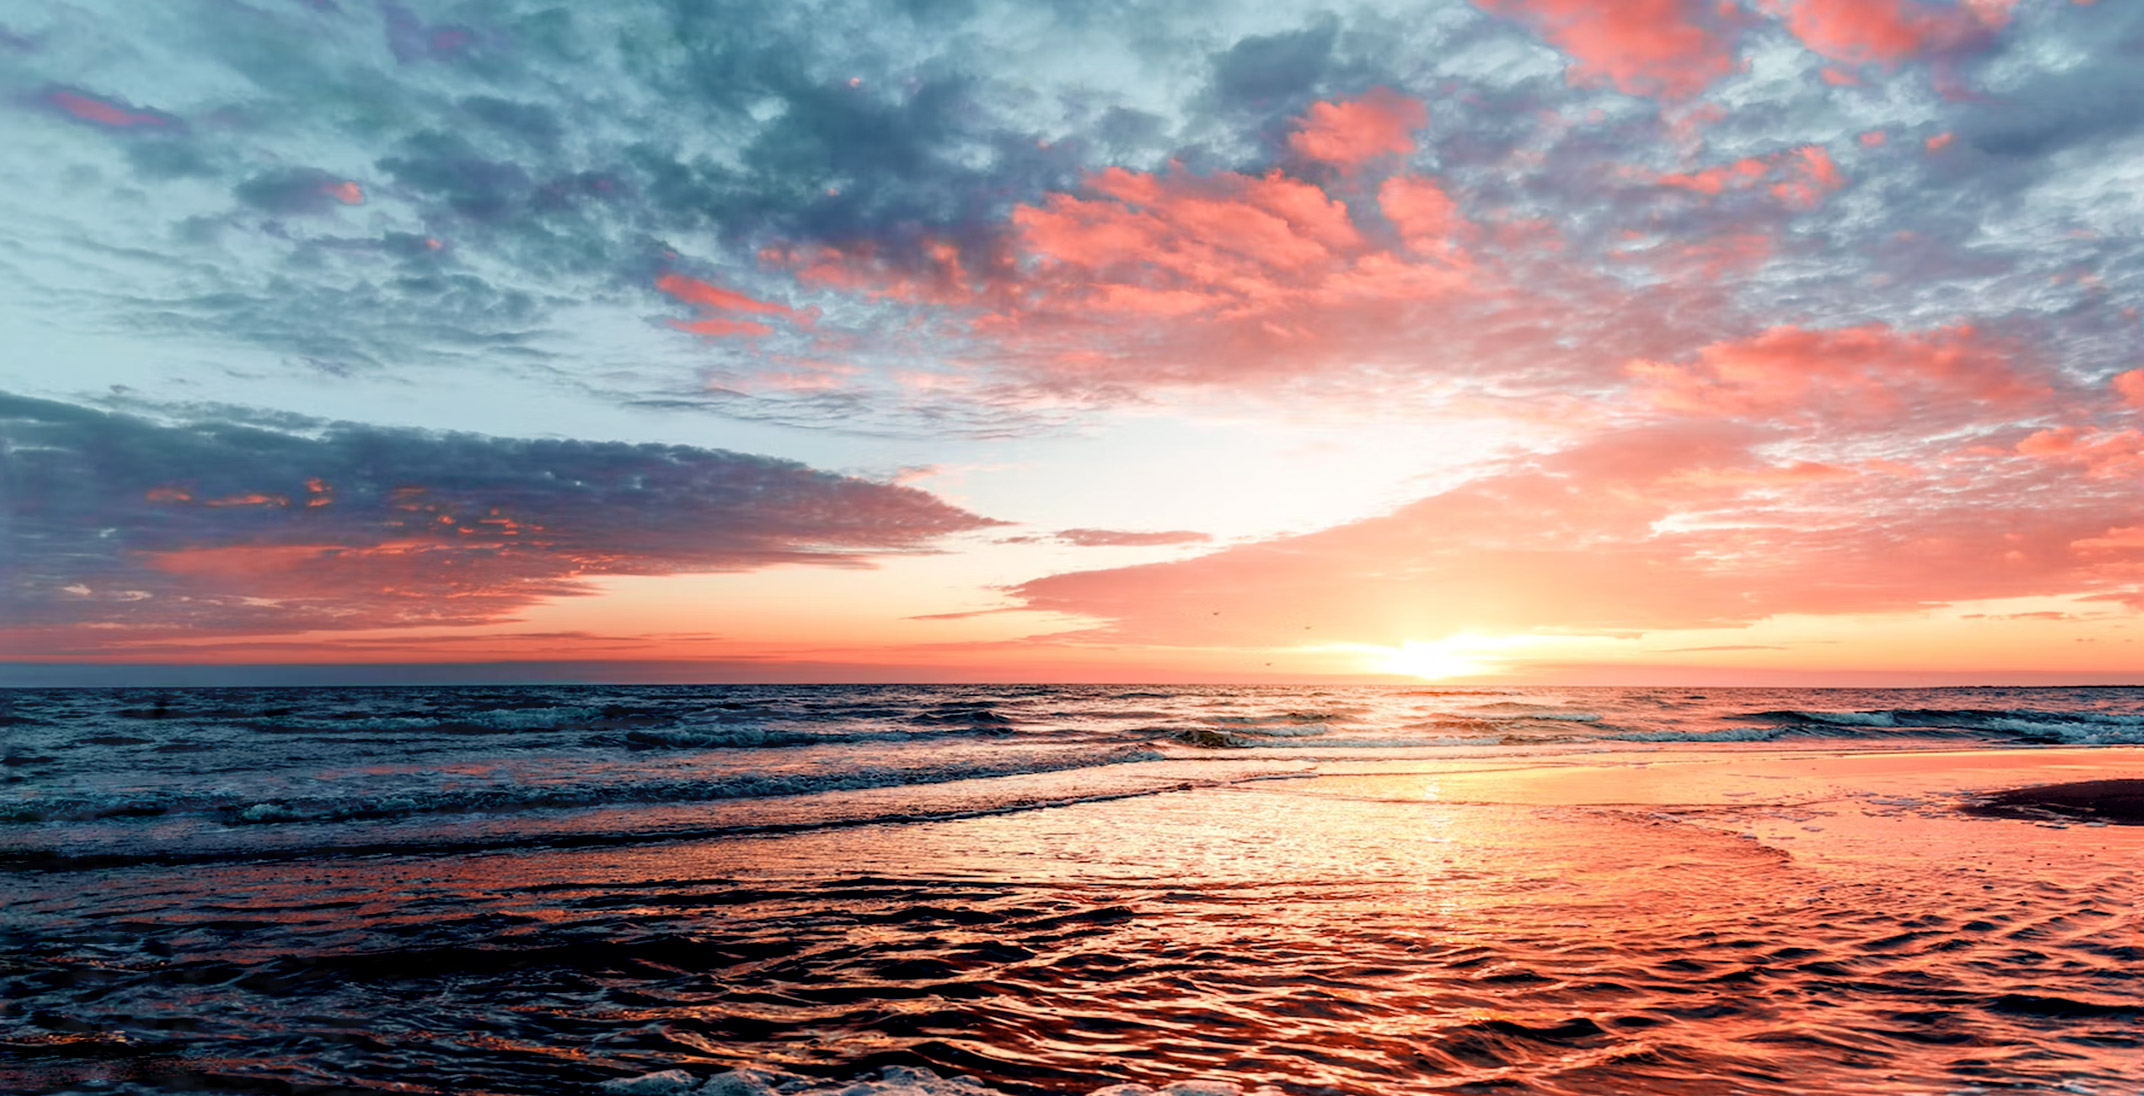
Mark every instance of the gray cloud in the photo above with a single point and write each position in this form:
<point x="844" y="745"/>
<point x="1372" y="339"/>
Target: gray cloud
<point x="142" y="527"/>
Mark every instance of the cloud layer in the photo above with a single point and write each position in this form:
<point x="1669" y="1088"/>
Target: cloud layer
<point x="1779" y="306"/>
<point x="977" y="209"/>
<point x="119" y="529"/>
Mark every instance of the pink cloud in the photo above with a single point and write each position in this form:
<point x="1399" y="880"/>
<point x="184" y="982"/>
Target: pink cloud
<point x="1348" y="134"/>
<point x="2101" y="454"/>
<point x="1426" y="216"/>
<point x="714" y="298"/>
<point x="104" y="112"/>
<point x="1175" y="270"/>
<point x="2130" y="386"/>
<point x="1681" y="524"/>
<point x="719" y="327"/>
<point x="1799" y="472"/>
<point x="1889" y="32"/>
<point x="1801" y="176"/>
<point x="1172" y="276"/>
<point x="1864" y="374"/>
<point x="1810" y="175"/>
<point x="2117" y="539"/>
<point x="1138" y="279"/>
<point x="1669" y="48"/>
<point x="694" y="291"/>
<point x="1713" y="180"/>
<point x="933" y="273"/>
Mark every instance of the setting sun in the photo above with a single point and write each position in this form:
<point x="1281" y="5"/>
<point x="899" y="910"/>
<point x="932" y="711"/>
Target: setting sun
<point x="1432" y="661"/>
<point x="894" y="547"/>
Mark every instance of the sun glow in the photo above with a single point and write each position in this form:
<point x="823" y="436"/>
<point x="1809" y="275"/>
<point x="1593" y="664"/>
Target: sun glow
<point x="1433" y="661"/>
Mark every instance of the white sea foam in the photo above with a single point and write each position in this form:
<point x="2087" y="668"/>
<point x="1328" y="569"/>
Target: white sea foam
<point x="461" y="797"/>
<point x="2076" y="732"/>
<point x="1851" y="719"/>
<point x="1723" y="734"/>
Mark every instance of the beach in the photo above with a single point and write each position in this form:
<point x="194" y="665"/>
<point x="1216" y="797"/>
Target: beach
<point x="1798" y="915"/>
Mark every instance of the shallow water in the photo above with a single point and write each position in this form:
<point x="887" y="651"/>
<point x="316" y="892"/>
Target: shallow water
<point x="1556" y="910"/>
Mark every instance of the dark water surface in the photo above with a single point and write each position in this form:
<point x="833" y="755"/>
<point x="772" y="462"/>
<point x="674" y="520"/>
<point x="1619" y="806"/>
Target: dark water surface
<point x="552" y="890"/>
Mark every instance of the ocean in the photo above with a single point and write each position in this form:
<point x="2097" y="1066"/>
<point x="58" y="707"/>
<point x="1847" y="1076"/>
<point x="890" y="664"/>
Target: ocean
<point x="968" y="890"/>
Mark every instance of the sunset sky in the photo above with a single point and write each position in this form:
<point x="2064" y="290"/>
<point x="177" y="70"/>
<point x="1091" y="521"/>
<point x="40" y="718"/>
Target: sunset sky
<point x="1605" y="341"/>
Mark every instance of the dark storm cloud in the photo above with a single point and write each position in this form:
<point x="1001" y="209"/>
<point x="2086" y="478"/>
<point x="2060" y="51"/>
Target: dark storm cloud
<point x="109" y="519"/>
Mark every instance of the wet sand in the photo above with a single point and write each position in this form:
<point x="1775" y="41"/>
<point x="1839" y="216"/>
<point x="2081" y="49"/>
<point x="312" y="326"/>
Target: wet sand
<point x="2120" y="802"/>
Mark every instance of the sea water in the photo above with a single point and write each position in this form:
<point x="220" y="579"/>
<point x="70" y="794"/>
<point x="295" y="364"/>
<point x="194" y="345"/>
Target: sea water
<point x="937" y="890"/>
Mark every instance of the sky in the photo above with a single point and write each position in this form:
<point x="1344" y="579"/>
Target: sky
<point x="1520" y="341"/>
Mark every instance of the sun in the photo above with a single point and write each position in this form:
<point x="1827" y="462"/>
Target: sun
<point x="1429" y="661"/>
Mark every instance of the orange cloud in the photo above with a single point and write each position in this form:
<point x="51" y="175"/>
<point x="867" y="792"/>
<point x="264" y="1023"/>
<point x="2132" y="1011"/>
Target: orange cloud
<point x="1670" y="48"/>
<point x="1349" y="134"/>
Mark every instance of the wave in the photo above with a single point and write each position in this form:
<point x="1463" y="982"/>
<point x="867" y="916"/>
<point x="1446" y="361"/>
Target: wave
<point x="1457" y="692"/>
<point x="1514" y="710"/>
<point x="1277" y="719"/>
<point x="2021" y="725"/>
<point x="235" y="809"/>
<point x="969" y="714"/>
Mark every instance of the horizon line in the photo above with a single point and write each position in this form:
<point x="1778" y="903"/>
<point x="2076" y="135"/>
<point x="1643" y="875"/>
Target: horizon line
<point x="537" y="672"/>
